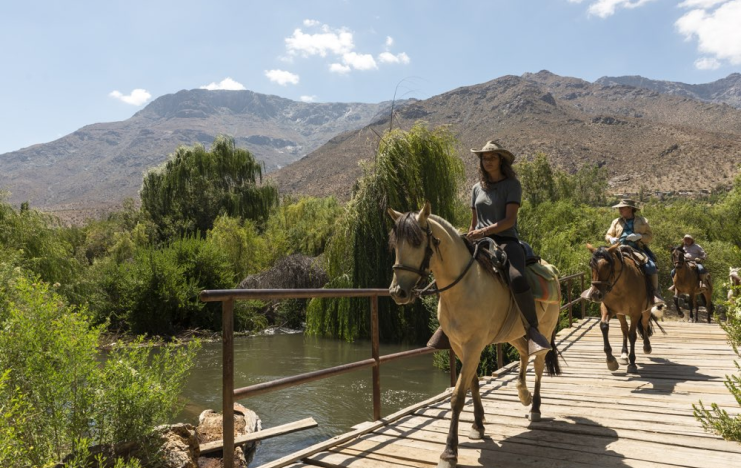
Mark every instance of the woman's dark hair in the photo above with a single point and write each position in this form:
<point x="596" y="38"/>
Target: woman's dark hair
<point x="505" y="167"/>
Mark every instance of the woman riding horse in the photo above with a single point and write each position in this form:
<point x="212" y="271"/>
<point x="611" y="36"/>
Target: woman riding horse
<point x="475" y="308"/>
<point x="633" y="230"/>
<point x="495" y="200"/>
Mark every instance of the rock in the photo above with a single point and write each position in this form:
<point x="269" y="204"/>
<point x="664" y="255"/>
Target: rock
<point x="180" y="447"/>
<point x="209" y="427"/>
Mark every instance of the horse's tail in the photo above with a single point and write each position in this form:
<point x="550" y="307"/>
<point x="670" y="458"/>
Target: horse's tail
<point x="551" y="358"/>
<point x="653" y="319"/>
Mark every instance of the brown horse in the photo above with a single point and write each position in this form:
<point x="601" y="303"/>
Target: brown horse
<point x="686" y="281"/>
<point x="620" y="287"/>
<point x="734" y="282"/>
<point x="476" y="308"/>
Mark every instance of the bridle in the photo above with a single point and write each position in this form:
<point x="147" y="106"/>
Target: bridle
<point x="610" y="282"/>
<point x="424" y="268"/>
<point x="678" y="259"/>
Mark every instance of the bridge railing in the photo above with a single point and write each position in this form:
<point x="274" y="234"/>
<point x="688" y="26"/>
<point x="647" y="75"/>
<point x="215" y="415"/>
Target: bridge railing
<point x="227" y="297"/>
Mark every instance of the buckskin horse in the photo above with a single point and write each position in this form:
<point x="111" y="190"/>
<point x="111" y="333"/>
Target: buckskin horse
<point x="687" y="282"/>
<point x="475" y="309"/>
<point x="620" y="287"/>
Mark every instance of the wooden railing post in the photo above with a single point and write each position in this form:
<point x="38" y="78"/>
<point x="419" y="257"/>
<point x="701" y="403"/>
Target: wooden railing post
<point x="571" y="306"/>
<point x="227" y="390"/>
<point x="375" y="338"/>
<point x="583" y="303"/>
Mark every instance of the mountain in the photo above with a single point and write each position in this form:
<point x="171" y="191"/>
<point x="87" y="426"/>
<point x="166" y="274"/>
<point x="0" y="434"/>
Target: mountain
<point x="101" y="164"/>
<point x="723" y="91"/>
<point x="642" y="137"/>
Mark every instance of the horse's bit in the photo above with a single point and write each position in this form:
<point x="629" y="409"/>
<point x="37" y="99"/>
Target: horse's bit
<point x="424" y="267"/>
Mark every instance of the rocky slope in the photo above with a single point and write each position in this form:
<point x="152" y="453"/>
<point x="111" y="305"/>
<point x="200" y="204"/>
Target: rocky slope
<point x="644" y="138"/>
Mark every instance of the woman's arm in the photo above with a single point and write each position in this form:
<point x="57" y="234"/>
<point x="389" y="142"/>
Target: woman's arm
<point x="474" y="220"/>
<point x="510" y="218"/>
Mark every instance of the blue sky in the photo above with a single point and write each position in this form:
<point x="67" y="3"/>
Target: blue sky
<point x="73" y="63"/>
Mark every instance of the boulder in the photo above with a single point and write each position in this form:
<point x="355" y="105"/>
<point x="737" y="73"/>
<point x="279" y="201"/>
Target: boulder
<point x="209" y="427"/>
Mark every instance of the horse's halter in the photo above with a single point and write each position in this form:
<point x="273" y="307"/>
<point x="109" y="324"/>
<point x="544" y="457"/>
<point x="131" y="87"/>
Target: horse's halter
<point x="610" y="282"/>
<point x="679" y="261"/>
<point x="424" y="268"/>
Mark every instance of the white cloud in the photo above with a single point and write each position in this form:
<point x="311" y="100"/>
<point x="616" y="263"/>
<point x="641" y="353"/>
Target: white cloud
<point x="310" y="22"/>
<point x="700" y="3"/>
<point x="389" y="41"/>
<point x="388" y="57"/>
<point x="226" y="84"/>
<point x="307" y="98"/>
<point x="336" y="42"/>
<point x="136" y="98"/>
<point x="359" y="61"/>
<point x="339" y="68"/>
<point x="707" y="63"/>
<point x="717" y="32"/>
<point x="282" y="77"/>
<point x="605" y="8"/>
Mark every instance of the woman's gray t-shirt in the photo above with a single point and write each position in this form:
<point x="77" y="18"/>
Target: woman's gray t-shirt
<point x="491" y="205"/>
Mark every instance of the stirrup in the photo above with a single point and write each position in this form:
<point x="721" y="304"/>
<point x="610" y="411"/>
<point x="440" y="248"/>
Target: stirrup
<point x="537" y="344"/>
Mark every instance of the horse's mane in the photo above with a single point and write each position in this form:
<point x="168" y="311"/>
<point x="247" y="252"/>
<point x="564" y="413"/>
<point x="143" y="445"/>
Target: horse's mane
<point x="601" y="254"/>
<point x="407" y="229"/>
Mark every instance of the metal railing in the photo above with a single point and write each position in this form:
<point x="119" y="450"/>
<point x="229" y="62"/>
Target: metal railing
<point x="230" y="394"/>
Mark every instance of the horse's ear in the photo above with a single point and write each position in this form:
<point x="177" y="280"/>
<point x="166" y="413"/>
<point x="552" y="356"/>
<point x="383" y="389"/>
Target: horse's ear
<point x="591" y="248"/>
<point x="613" y="247"/>
<point x="394" y="214"/>
<point x="424" y="213"/>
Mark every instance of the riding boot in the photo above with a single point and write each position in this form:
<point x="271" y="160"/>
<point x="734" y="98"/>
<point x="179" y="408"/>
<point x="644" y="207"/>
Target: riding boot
<point x="439" y="340"/>
<point x="658" y="299"/>
<point x="537" y="344"/>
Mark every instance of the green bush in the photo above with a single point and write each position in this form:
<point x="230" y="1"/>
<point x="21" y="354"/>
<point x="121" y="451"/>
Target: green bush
<point x="56" y="395"/>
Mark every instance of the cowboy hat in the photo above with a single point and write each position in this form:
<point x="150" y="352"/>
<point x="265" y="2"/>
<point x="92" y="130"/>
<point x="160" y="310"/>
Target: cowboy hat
<point x="493" y="147"/>
<point x="687" y="236"/>
<point x="627" y="202"/>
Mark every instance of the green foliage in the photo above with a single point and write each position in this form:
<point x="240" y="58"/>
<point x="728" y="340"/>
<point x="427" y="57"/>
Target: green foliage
<point x="716" y="419"/>
<point x="157" y="291"/>
<point x="56" y="396"/>
<point x="302" y="225"/>
<point x="410" y="167"/>
<point x="239" y="241"/>
<point x="541" y="183"/>
<point x="195" y="186"/>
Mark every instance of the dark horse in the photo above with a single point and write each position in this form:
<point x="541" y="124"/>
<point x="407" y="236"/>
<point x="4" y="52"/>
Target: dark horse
<point x="619" y="286"/>
<point x="686" y="281"/>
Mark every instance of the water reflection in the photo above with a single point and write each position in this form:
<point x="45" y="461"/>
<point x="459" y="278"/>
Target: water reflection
<point x="336" y="403"/>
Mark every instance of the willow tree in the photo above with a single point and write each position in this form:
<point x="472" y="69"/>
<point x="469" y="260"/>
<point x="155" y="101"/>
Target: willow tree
<point x="409" y="168"/>
<point x="195" y="186"/>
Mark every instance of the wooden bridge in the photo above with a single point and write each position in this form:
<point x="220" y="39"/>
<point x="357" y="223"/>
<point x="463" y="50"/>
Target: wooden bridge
<point x="592" y="417"/>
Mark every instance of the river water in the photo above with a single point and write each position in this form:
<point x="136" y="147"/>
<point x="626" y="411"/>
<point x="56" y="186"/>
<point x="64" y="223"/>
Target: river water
<point x="336" y="403"/>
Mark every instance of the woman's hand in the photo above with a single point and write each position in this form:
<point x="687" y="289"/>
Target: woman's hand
<point x="476" y="234"/>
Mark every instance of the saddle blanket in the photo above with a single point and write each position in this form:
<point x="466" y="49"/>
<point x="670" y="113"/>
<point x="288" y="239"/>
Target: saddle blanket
<point x="543" y="279"/>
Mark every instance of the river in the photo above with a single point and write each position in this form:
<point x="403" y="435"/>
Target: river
<point x="336" y="403"/>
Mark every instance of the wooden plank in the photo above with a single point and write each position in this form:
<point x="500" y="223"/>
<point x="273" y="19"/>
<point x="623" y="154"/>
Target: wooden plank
<point x="261" y="435"/>
<point x="353" y="434"/>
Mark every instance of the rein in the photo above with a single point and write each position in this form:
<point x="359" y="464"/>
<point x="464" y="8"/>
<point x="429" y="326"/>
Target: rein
<point x="424" y="267"/>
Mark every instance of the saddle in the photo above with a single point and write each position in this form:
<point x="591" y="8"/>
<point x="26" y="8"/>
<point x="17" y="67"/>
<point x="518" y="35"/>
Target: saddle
<point x="542" y="276"/>
<point x="641" y="258"/>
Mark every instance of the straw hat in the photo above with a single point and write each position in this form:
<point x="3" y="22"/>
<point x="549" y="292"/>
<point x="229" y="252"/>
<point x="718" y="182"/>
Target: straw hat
<point x="627" y="202"/>
<point x="493" y="147"/>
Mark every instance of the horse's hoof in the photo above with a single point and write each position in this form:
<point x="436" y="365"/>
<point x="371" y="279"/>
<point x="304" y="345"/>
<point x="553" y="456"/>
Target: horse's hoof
<point x="533" y="417"/>
<point x="476" y="434"/>
<point x="632" y="369"/>
<point x="447" y="463"/>
<point x="647" y="350"/>
<point x="613" y="365"/>
<point x="624" y="359"/>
